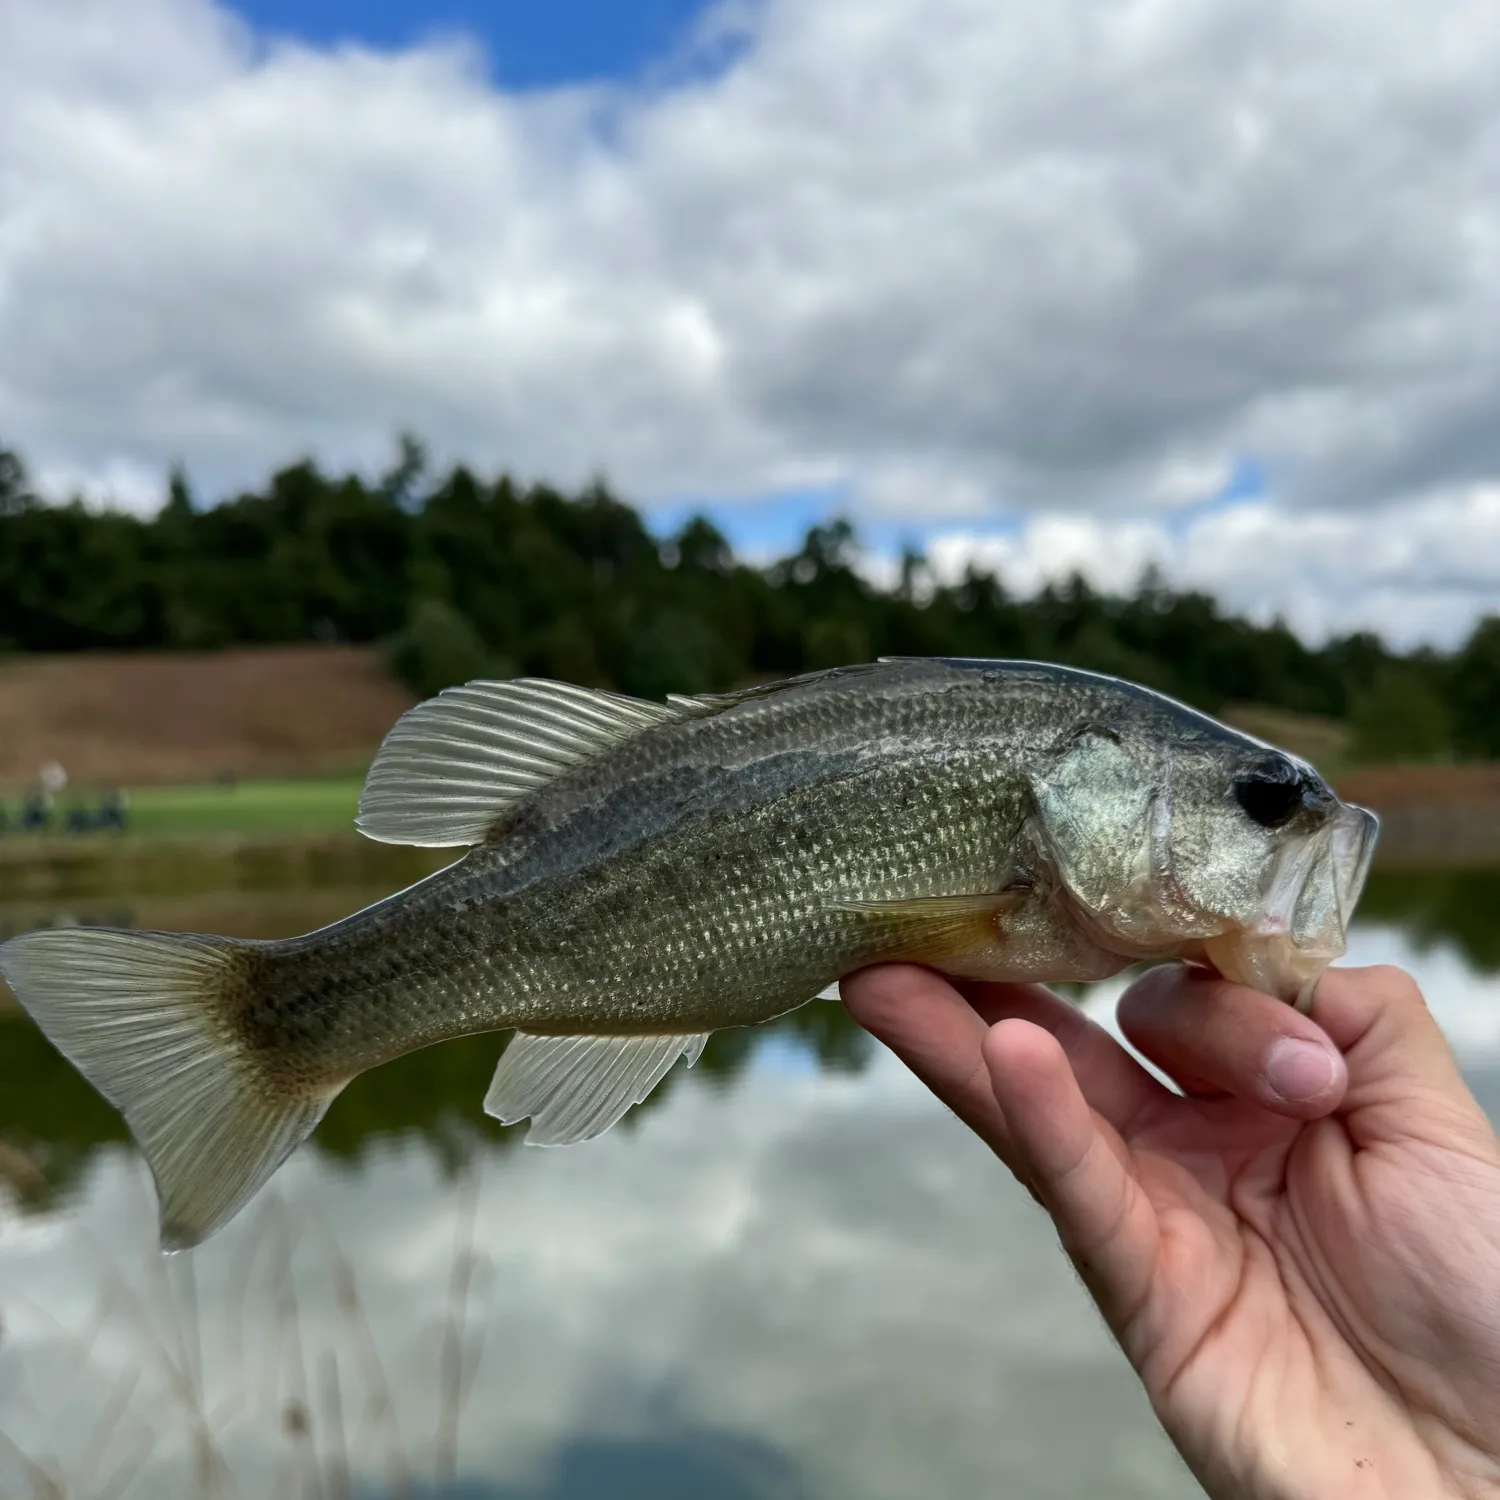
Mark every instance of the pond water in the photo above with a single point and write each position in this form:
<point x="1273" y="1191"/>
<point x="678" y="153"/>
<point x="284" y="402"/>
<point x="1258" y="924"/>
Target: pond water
<point x="790" y="1276"/>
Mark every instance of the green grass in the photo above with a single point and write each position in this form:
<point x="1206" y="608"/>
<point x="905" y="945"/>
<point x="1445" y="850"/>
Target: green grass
<point x="249" y="809"/>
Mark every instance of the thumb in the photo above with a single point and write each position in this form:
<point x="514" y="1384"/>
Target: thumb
<point x="1404" y="1079"/>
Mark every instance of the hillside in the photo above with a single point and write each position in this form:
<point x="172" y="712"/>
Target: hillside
<point x="147" y="718"/>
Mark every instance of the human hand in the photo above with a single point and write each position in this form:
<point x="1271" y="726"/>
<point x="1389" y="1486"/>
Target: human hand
<point x="1300" y="1256"/>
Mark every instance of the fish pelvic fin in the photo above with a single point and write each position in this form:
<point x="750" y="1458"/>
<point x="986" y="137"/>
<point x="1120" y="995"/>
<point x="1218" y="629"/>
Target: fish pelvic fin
<point x="145" y="1017"/>
<point x="576" y="1087"/>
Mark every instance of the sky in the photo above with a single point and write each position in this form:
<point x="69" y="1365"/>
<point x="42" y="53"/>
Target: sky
<point x="526" y="45"/>
<point x="1094" y="285"/>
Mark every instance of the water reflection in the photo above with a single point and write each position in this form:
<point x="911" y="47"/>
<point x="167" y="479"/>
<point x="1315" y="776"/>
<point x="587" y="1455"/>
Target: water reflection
<point x="1459" y="908"/>
<point x="792" y="1275"/>
<point x="673" y="1463"/>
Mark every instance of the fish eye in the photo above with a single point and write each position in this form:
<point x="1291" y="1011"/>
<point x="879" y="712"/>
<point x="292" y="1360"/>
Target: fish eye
<point x="1271" y="793"/>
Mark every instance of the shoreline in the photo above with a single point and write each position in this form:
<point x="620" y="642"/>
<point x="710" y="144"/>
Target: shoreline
<point x="1438" y="834"/>
<point x="1430" y="815"/>
<point x="1438" y="838"/>
<point x="105" y="867"/>
<point x="102" y="865"/>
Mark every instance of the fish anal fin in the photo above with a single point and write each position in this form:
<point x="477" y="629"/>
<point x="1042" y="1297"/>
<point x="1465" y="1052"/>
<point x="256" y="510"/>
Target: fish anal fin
<point x="931" y="928"/>
<point x="576" y="1087"/>
<point x="452" y="766"/>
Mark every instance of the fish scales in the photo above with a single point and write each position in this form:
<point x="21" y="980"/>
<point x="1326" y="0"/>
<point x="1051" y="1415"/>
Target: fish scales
<point x="640" y="875"/>
<point x="674" y="924"/>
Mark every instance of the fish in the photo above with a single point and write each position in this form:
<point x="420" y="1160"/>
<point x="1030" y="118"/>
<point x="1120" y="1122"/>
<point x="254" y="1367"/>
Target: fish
<point x="640" y="874"/>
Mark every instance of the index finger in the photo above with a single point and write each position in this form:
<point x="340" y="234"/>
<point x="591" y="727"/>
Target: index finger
<point x="938" y="1027"/>
<point x="937" y="1034"/>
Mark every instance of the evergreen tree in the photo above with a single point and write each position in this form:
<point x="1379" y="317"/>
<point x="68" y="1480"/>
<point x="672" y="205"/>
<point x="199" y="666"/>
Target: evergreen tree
<point x="452" y="569"/>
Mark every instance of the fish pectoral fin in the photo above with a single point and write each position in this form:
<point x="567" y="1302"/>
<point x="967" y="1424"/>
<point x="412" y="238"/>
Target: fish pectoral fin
<point x="576" y="1087"/>
<point x="450" y="767"/>
<point x="935" y="927"/>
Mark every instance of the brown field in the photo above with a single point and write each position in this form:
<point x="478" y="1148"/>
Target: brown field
<point x="1431" y="815"/>
<point x="142" y="719"/>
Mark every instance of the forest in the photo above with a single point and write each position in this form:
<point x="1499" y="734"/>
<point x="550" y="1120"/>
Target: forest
<point x="457" y="576"/>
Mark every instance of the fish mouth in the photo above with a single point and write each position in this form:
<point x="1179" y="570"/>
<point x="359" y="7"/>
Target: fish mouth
<point x="1310" y="894"/>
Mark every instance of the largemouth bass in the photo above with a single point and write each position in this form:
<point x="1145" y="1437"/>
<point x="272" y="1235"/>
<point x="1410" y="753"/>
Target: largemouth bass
<point x="641" y="874"/>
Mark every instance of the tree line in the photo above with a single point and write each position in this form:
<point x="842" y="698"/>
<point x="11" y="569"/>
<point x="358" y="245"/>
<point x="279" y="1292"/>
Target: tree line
<point x="459" y="576"/>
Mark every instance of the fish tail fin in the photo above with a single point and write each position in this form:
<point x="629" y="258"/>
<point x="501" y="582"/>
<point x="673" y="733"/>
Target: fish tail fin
<point x="146" y="1017"/>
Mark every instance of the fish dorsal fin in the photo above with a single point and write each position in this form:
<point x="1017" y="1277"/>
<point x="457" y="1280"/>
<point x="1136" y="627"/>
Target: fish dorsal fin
<point x="576" y="1087"/>
<point x="700" y="705"/>
<point x="452" y="765"/>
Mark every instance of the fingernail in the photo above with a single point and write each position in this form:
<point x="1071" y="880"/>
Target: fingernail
<point x="1299" y="1071"/>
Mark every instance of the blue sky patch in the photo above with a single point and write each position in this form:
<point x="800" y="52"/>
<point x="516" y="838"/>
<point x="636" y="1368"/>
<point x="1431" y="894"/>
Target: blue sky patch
<point x="771" y="526"/>
<point x="775" y="525"/>
<point x="1246" y="484"/>
<point x="529" y="44"/>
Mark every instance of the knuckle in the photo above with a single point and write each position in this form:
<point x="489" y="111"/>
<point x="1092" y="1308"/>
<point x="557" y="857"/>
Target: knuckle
<point x="1395" y="986"/>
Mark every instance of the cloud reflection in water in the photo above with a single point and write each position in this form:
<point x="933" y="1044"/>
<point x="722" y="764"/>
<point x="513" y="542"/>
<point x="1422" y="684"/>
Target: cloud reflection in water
<point x="787" y="1283"/>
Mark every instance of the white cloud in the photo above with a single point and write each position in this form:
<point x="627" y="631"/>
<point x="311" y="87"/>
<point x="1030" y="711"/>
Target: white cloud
<point x="945" y="257"/>
<point x="1413" y="572"/>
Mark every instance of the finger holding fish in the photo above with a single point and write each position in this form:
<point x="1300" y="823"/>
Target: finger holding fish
<point x="939" y="1029"/>
<point x="1052" y="1093"/>
<point x="1215" y="1039"/>
<point x="933" y="1029"/>
<point x="1076" y="1165"/>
